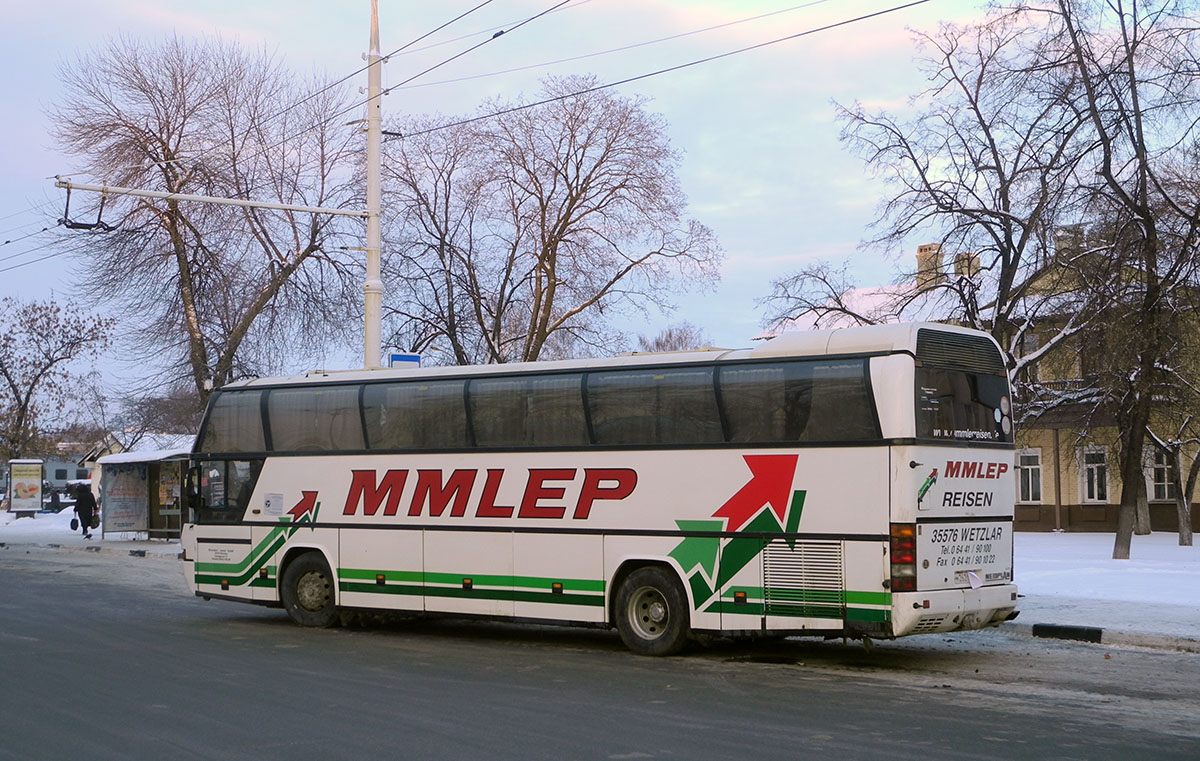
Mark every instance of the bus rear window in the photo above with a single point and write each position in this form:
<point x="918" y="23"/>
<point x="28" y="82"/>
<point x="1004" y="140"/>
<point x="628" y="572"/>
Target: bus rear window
<point x="962" y="406"/>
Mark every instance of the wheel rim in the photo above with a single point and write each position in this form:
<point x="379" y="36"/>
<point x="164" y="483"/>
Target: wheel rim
<point x="648" y="613"/>
<point x="312" y="591"/>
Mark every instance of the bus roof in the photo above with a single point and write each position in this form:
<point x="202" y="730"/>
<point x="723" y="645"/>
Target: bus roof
<point x="872" y="339"/>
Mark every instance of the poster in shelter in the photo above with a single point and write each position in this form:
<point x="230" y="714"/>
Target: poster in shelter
<point x="25" y="477"/>
<point x="126" y="505"/>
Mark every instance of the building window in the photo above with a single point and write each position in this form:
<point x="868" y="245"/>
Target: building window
<point x="1162" y="477"/>
<point x="60" y="474"/>
<point x="1094" y="474"/>
<point x="1029" y="476"/>
<point x="81" y="474"/>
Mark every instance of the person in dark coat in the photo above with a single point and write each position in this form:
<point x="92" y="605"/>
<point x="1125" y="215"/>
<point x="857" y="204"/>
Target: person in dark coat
<point x="85" y="508"/>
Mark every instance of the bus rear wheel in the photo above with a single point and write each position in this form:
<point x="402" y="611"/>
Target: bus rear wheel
<point x="652" y="615"/>
<point x="307" y="591"/>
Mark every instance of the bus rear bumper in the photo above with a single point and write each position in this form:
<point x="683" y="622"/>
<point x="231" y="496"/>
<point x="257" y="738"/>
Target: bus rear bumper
<point x="947" y="610"/>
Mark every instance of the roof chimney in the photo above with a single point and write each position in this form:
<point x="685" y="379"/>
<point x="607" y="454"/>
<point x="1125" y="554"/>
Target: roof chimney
<point x="966" y="265"/>
<point x="929" y="266"/>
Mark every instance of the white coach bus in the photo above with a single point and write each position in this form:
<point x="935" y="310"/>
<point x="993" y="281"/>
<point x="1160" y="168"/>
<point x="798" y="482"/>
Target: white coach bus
<point x="852" y="482"/>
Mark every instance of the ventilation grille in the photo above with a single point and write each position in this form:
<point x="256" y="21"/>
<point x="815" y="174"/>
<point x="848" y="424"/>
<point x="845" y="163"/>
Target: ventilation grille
<point x="962" y="352"/>
<point x="804" y="579"/>
<point x="929" y="624"/>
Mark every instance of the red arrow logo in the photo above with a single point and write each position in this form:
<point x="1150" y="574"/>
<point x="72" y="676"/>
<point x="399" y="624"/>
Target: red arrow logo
<point x="770" y="484"/>
<point x="307" y="504"/>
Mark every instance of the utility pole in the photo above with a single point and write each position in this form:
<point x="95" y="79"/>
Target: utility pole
<point x="373" y="286"/>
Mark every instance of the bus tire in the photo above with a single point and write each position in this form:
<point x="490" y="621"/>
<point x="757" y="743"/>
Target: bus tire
<point x="652" y="612"/>
<point x="307" y="591"/>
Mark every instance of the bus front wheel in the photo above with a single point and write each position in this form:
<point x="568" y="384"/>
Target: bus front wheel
<point x="307" y="591"/>
<point x="652" y="615"/>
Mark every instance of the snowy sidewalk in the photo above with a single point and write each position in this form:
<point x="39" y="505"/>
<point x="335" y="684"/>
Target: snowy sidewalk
<point x="50" y="529"/>
<point x="1068" y="581"/>
<point x="1071" y="580"/>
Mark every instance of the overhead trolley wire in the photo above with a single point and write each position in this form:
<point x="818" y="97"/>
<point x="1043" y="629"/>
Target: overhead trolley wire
<point x="456" y="56"/>
<point x="358" y="71"/>
<point x="18" y="265"/>
<point x="667" y="70"/>
<point x="621" y="49"/>
<point x="483" y="31"/>
<point x="38" y="247"/>
<point x="362" y="103"/>
<point x="312" y="95"/>
<point x="38" y="209"/>
<point x="23" y="237"/>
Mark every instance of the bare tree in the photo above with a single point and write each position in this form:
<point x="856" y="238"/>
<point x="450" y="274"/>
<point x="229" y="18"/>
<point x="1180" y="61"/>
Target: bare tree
<point x="986" y="166"/>
<point x="218" y="290"/>
<point x="1182" y="487"/>
<point x="824" y="295"/>
<point x="435" y="199"/>
<point x="682" y="337"/>
<point x="1052" y="153"/>
<point x="130" y="419"/>
<point x="1140" y="95"/>
<point x="39" y="341"/>
<point x="530" y="231"/>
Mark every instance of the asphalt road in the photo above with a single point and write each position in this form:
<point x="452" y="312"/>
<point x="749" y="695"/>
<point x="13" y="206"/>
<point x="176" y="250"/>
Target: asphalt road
<point x="105" y="657"/>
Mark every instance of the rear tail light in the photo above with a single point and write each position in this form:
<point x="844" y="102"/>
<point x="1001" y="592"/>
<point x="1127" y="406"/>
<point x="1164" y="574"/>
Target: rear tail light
<point x="903" y="553"/>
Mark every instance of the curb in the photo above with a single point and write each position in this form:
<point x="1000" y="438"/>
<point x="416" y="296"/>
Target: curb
<point x="1066" y="631"/>
<point x="1100" y="636"/>
<point x="98" y="547"/>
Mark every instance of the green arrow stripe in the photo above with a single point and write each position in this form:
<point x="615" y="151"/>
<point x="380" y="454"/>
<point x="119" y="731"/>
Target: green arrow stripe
<point x="868" y="614"/>
<point x="251" y="556"/>
<point x="475" y="593"/>
<point x="240" y="572"/>
<point x="477" y="580"/>
<point x="847" y="597"/>
<point x="237" y="574"/>
<point x="810" y="611"/>
<point x="854" y="597"/>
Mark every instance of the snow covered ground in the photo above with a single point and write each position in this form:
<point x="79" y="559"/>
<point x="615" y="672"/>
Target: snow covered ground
<point x="55" y="528"/>
<point x="1081" y="565"/>
<point x="1064" y="578"/>
<point x="1071" y="579"/>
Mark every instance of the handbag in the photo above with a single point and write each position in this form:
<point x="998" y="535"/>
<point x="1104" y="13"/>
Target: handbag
<point x="74" y="524"/>
<point x="95" y="521"/>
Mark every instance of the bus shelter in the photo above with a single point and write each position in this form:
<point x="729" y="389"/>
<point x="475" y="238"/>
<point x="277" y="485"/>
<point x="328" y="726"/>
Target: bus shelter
<point x="142" y="492"/>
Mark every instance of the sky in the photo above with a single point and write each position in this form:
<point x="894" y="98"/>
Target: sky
<point x="761" y="161"/>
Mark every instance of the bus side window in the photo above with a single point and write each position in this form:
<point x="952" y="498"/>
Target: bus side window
<point x="416" y="415"/>
<point x="225" y="488"/>
<point x="234" y="423"/>
<point x="657" y="406"/>
<point x="842" y="406"/>
<point x="314" y="419"/>
<point x="767" y="403"/>
<point x="528" y="411"/>
<point x="243" y="475"/>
